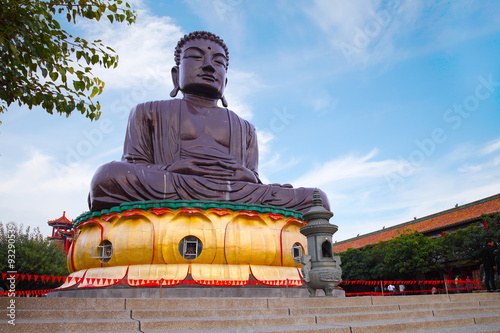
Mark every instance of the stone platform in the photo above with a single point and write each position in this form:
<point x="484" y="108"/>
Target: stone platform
<point x="475" y="312"/>
<point x="180" y="292"/>
<point x="188" y="292"/>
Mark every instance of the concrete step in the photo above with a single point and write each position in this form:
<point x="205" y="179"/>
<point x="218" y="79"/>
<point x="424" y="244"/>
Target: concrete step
<point x="433" y="323"/>
<point x="459" y="311"/>
<point x="377" y="322"/>
<point x="447" y="324"/>
<point x="69" y="314"/>
<point x="196" y="303"/>
<point x="477" y="328"/>
<point x="329" y="328"/>
<point x="71" y="325"/>
<point x="218" y="323"/>
<point x="40" y="303"/>
<point x="199" y="313"/>
<point x="433" y="313"/>
<point x="266" y="329"/>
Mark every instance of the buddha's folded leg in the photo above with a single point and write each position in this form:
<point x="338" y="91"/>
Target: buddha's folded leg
<point x="118" y="182"/>
<point x="299" y="199"/>
<point x="198" y="188"/>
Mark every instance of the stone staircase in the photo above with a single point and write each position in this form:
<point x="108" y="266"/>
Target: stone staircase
<point x="477" y="312"/>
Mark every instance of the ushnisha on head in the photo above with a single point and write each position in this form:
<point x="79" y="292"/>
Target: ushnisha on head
<point x="201" y="65"/>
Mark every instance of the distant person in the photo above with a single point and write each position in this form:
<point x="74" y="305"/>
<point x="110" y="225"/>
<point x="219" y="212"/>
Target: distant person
<point x="402" y="289"/>
<point x="457" y="284"/>
<point x="468" y="284"/>
<point x="497" y="263"/>
<point x="434" y="290"/>
<point x="488" y="257"/>
<point x="481" y="274"/>
<point x="391" y="288"/>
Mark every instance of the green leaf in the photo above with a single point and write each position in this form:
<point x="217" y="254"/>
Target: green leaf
<point x="39" y="48"/>
<point x="13" y="49"/>
<point x="95" y="91"/>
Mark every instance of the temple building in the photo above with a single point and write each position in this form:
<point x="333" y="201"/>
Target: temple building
<point x="61" y="232"/>
<point x="435" y="225"/>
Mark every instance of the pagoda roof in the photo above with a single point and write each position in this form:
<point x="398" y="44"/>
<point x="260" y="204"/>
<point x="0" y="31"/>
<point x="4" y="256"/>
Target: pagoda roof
<point x="62" y="219"/>
<point x="442" y="220"/>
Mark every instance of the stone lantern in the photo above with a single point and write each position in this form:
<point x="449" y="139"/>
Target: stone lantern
<point x="321" y="268"/>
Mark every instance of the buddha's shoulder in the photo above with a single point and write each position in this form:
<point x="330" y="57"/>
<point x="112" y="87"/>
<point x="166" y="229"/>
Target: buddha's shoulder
<point x="154" y="109"/>
<point x="234" y="115"/>
<point x="157" y="105"/>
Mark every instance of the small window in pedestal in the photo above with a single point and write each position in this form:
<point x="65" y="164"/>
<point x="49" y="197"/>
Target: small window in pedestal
<point x="103" y="252"/>
<point x="190" y="247"/>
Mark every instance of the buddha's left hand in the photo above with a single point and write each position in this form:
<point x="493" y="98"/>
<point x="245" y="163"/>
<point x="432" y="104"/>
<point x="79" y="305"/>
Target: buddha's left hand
<point x="240" y="173"/>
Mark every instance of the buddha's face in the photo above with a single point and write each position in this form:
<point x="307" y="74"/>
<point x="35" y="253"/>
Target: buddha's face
<point x="202" y="69"/>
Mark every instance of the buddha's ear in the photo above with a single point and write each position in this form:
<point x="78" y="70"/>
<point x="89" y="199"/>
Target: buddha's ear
<point x="223" y="98"/>
<point x="223" y="101"/>
<point x="175" y="81"/>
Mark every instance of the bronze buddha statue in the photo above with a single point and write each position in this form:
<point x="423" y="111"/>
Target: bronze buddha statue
<point x="190" y="148"/>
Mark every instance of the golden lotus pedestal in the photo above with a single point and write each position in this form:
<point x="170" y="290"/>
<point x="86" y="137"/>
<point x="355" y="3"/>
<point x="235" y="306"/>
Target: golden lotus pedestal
<point x="186" y="244"/>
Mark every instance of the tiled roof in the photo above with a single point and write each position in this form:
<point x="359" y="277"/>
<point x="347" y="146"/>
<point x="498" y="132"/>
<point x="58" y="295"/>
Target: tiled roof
<point x="62" y="219"/>
<point x="439" y="220"/>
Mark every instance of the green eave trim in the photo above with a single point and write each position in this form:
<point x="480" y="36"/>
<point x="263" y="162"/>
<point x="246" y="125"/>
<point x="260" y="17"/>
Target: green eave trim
<point x="176" y="204"/>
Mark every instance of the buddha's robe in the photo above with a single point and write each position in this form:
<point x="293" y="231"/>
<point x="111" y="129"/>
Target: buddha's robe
<point x="154" y="142"/>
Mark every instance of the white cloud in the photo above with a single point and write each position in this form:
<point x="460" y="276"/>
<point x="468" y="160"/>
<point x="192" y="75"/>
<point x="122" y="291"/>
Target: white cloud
<point x="364" y="201"/>
<point x="363" y="204"/>
<point x="225" y="17"/>
<point x="241" y="86"/>
<point x="264" y="140"/>
<point x="372" y="31"/>
<point x="359" y="31"/>
<point x="347" y="168"/>
<point x="146" y="51"/>
<point x="33" y="193"/>
<point x="321" y="101"/>
<point x="482" y="155"/>
<point x="491" y="147"/>
<point x="340" y="17"/>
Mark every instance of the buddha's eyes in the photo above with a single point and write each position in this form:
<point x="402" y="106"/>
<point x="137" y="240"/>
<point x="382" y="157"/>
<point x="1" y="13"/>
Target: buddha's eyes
<point x="193" y="54"/>
<point x="196" y="55"/>
<point x="220" y="60"/>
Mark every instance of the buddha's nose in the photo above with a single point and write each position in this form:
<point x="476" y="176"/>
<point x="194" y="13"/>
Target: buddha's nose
<point x="208" y="68"/>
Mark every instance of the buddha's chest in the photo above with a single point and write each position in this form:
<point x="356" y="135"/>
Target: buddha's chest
<point x="210" y="126"/>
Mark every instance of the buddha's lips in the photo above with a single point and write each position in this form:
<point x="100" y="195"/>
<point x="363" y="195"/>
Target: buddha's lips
<point x="208" y="77"/>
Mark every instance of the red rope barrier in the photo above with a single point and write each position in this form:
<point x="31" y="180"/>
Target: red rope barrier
<point x="466" y="286"/>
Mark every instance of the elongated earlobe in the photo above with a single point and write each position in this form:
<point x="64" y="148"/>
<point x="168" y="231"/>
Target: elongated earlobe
<point x="175" y="81"/>
<point x="174" y="91"/>
<point x="224" y="102"/>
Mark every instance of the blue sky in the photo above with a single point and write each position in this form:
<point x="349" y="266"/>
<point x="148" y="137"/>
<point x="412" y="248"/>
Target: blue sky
<point x="391" y="107"/>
